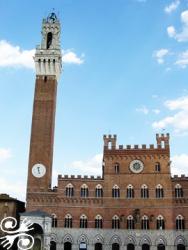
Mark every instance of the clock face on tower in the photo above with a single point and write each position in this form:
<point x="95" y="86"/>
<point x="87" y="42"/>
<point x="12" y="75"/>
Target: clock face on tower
<point x="38" y="170"/>
<point x="136" y="166"/>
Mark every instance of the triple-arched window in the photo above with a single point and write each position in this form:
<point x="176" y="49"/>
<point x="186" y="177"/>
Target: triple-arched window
<point x="145" y="222"/>
<point x="130" y="191"/>
<point x="83" y="221"/>
<point x="115" y="222"/>
<point x="180" y="222"/>
<point x="84" y="191"/>
<point x="68" y="221"/>
<point x="178" y="191"/>
<point x="144" y="191"/>
<point x="98" y="221"/>
<point x="160" y="222"/>
<point x="69" y="190"/>
<point x="159" y="191"/>
<point x="98" y="191"/>
<point x="115" y="191"/>
<point x="54" y="220"/>
<point x="130" y="222"/>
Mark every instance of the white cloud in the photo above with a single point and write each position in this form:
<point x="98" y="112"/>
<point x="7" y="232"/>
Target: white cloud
<point x="143" y="110"/>
<point x="91" y="166"/>
<point x="179" y="164"/>
<point x="182" y="60"/>
<point x="5" y="154"/>
<point x="179" y="120"/>
<point x="14" y="56"/>
<point x="182" y="36"/>
<point x="172" y="6"/>
<point x="71" y="57"/>
<point x="160" y="55"/>
<point x="171" y="31"/>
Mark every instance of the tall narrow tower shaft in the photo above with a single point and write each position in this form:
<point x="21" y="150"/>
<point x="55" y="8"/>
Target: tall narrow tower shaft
<point x="48" y="68"/>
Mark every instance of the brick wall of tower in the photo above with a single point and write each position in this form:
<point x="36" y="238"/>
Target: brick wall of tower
<point x="42" y="133"/>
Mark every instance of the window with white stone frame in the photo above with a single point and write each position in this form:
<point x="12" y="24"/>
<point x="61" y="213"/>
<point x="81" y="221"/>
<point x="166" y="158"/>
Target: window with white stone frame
<point x="115" y="191"/>
<point x="83" y="221"/>
<point x="178" y="191"/>
<point x="144" y="191"/>
<point x="160" y="222"/>
<point x="159" y="191"/>
<point x="115" y="222"/>
<point x="145" y="222"/>
<point x="84" y="191"/>
<point x="69" y="190"/>
<point x="98" y="221"/>
<point x="180" y="222"/>
<point x="130" y="191"/>
<point x="68" y="221"/>
<point x="130" y="222"/>
<point x="98" y="191"/>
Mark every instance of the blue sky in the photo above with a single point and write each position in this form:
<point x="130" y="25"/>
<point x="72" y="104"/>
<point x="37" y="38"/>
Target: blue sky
<point x="124" y="72"/>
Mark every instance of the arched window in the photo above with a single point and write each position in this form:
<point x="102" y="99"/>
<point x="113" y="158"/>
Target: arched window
<point x="178" y="191"/>
<point x="180" y="222"/>
<point x="83" y="221"/>
<point x="130" y="191"/>
<point x="144" y="191"/>
<point x="160" y="222"/>
<point x="145" y="247"/>
<point x="69" y="190"/>
<point x="115" y="246"/>
<point x="180" y="247"/>
<point x="84" y="192"/>
<point x="67" y="245"/>
<point x="49" y="40"/>
<point x="159" y="191"/>
<point x="130" y="246"/>
<point x="54" y="220"/>
<point x="130" y="222"/>
<point x="116" y="168"/>
<point x="160" y="247"/>
<point x="115" y="191"/>
<point x="157" y="167"/>
<point x="98" y="191"/>
<point x="145" y="222"/>
<point x="68" y="221"/>
<point x="115" y="222"/>
<point x="98" y="246"/>
<point x="98" y="221"/>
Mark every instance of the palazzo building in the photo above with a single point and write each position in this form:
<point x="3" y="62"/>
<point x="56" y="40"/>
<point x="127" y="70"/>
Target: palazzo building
<point x="135" y="204"/>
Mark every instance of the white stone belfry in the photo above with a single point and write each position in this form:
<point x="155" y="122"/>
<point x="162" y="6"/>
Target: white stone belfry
<point x="48" y="56"/>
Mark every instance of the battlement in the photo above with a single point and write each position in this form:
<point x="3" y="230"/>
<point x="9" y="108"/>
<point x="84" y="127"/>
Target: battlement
<point x="163" y="140"/>
<point x="162" y="143"/>
<point x="85" y="177"/>
<point x="181" y="177"/>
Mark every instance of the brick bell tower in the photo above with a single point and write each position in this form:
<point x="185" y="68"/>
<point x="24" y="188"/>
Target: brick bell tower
<point x="48" y="64"/>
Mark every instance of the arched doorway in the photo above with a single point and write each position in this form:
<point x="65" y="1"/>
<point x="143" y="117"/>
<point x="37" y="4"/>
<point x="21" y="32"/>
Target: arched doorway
<point x="180" y="247"/>
<point x="145" y="247"/>
<point x="115" y="246"/>
<point x="161" y="247"/>
<point x="98" y="246"/>
<point x="52" y="245"/>
<point x="67" y="246"/>
<point x="37" y="233"/>
<point x="130" y="247"/>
